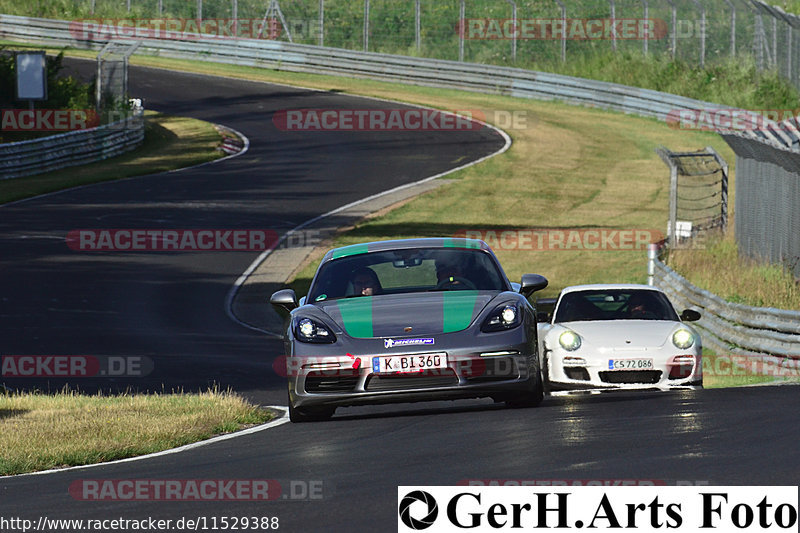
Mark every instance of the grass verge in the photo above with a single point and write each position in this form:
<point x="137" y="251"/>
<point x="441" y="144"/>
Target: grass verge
<point x="720" y="269"/>
<point x="170" y="143"/>
<point x="720" y="371"/>
<point x="39" y="432"/>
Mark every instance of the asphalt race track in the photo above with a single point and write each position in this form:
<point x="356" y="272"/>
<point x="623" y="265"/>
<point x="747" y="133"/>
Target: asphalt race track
<point x="169" y="307"/>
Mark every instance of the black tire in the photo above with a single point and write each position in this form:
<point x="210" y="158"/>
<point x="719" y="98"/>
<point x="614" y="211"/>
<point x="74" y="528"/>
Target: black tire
<point x="309" y="414"/>
<point x="546" y="377"/>
<point x="533" y="397"/>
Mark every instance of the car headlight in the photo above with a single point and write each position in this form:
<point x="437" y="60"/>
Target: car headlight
<point x="502" y="318"/>
<point x="308" y="330"/>
<point x="683" y="338"/>
<point x="570" y="341"/>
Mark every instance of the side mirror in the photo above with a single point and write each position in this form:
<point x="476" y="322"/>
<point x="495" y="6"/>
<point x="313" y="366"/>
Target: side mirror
<point x="690" y="315"/>
<point x="542" y="317"/>
<point x="285" y="298"/>
<point x="532" y="283"/>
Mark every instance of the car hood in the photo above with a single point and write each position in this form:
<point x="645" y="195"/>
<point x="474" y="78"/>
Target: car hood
<point x="624" y="334"/>
<point x="390" y="315"/>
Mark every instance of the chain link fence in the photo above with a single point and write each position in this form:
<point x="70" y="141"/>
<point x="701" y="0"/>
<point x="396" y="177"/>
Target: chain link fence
<point x="767" y="221"/>
<point x="509" y="32"/>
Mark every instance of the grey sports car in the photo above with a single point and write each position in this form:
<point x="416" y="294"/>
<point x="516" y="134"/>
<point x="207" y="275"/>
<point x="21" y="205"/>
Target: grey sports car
<point x="410" y="320"/>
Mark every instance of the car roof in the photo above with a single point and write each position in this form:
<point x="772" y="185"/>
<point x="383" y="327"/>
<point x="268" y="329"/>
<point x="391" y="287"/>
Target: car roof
<point x="404" y="244"/>
<point x="609" y="286"/>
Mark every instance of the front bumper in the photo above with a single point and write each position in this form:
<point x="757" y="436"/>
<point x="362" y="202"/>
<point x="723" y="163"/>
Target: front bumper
<point x="350" y="380"/>
<point x="566" y="371"/>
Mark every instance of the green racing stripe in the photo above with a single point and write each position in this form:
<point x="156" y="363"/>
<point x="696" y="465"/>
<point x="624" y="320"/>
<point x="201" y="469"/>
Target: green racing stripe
<point x="354" y="249"/>
<point x="458" y="309"/>
<point x="357" y="316"/>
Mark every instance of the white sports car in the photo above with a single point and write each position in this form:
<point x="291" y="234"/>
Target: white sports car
<point x="618" y="336"/>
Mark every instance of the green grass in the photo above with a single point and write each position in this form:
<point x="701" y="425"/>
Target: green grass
<point x="170" y="143"/>
<point x="39" y="432"/>
<point x="720" y="371"/>
<point x="720" y="269"/>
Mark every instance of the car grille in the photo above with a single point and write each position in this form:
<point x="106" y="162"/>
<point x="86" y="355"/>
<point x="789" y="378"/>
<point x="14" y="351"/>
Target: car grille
<point x="320" y="382"/>
<point x="492" y="369"/>
<point x="631" y="376"/>
<point x="422" y="380"/>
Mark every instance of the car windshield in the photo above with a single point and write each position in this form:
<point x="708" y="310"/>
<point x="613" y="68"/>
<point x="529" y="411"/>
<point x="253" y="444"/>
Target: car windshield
<point x="404" y="271"/>
<point x="617" y="304"/>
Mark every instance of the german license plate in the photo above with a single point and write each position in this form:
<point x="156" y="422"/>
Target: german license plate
<point x="630" y="364"/>
<point x="408" y="363"/>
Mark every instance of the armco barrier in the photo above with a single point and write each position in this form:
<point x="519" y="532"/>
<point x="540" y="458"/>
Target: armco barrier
<point x="420" y="71"/>
<point x="731" y="327"/>
<point x="27" y="158"/>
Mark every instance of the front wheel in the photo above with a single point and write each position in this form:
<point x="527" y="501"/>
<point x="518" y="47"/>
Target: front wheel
<point x="532" y="397"/>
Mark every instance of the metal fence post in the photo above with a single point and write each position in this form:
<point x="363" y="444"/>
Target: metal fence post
<point x="366" y="25"/>
<point x="462" y="16"/>
<point x="516" y="30"/>
<point x="647" y="20"/>
<point x="733" y="26"/>
<point x="418" y="24"/>
<point x="235" y="17"/>
<point x="758" y="39"/>
<point x="702" y="9"/>
<point x="322" y="22"/>
<point x="774" y="40"/>
<point x="613" y="25"/>
<point x="674" y="27"/>
<point x="563" y="33"/>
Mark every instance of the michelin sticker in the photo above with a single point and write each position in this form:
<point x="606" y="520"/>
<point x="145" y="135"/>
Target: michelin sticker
<point x="391" y="343"/>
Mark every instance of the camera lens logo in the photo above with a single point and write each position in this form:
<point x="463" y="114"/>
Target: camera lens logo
<point x="405" y="510"/>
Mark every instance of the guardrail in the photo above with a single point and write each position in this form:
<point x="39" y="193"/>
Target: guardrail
<point x="27" y="158"/>
<point x="730" y="327"/>
<point x="280" y="55"/>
